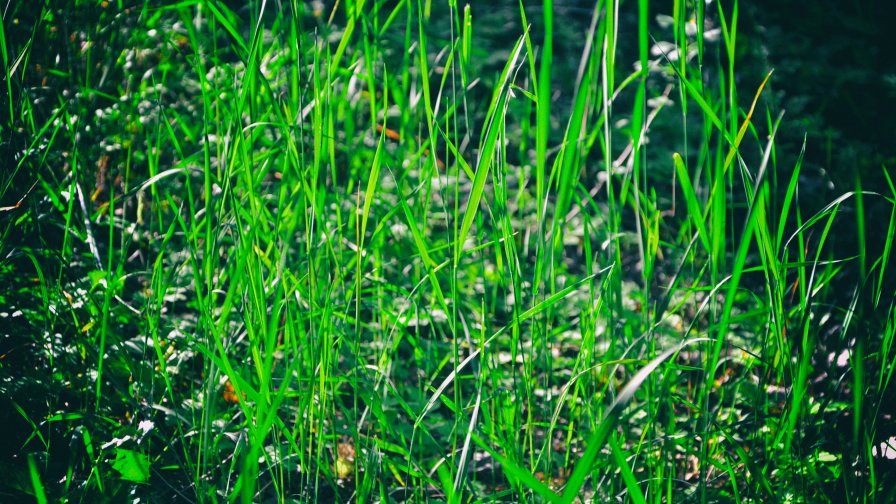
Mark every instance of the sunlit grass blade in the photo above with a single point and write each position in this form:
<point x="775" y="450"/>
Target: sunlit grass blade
<point x="634" y="491"/>
<point x="597" y="439"/>
<point x="695" y="213"/>
<point x="494" y="121"/>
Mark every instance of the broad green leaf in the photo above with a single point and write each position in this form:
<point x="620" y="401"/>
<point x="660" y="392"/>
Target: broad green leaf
<point x="132" y="465"/>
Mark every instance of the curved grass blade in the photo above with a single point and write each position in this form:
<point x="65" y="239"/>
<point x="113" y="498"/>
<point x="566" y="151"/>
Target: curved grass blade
<point x="695" y="214"/>
<point x="495" y="121"/>
<point x="598" y="438"/>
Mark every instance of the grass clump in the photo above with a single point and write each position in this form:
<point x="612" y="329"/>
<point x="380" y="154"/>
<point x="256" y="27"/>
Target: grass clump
<point x="414" y="251"/>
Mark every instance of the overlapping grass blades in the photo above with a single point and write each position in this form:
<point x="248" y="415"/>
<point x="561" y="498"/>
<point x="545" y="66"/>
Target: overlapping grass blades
<point x="383" y="252"/>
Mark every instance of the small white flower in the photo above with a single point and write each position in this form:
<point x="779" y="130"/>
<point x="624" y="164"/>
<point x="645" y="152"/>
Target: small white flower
<point x="145" y="426"/>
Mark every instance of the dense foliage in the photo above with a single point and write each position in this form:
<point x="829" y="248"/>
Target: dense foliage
<point x="407" y="251"/>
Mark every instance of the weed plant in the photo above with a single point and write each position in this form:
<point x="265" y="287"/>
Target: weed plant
<point x="384" y="251"/>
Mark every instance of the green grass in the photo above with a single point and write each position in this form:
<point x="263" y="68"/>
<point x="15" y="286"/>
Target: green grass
<point x="386" y="251"/>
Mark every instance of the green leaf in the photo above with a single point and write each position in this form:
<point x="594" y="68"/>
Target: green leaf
<point x="132" y="465"/>
<point x="519" y="473"/>
<point x="494" y="124"/>
<point x="634" y="491"/>
<point x="695" y="214"/>
<point x="597" y="439"/>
